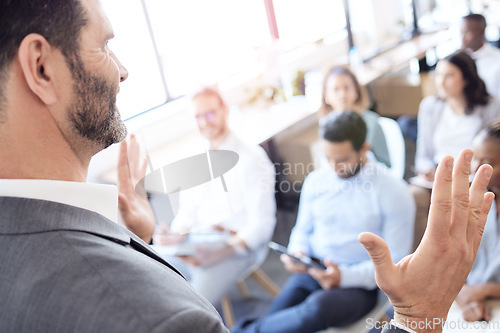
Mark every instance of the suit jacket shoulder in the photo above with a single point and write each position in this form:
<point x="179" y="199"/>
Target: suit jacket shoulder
<point x="66" y="269"/>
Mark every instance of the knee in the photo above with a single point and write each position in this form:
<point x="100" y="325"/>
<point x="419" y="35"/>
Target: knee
<point x="318" y="310"/>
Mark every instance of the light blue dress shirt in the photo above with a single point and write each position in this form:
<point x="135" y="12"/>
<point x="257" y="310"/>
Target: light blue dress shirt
<point x="333" y="211"/>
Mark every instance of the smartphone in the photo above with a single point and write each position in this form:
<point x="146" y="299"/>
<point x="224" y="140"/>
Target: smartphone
<point x="307" y="261"/>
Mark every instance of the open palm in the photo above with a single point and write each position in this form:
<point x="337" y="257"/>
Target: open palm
<point x="133" y="204"/>
<point x="423" y="285"/>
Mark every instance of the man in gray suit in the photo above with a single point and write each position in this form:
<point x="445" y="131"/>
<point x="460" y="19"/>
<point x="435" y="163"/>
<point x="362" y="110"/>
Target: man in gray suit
<point x="66" y="266"/>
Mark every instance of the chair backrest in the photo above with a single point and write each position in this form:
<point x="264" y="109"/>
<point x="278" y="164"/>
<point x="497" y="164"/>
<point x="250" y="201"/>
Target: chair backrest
<point x="395" y="145"/>
<point x="369" y="321"/>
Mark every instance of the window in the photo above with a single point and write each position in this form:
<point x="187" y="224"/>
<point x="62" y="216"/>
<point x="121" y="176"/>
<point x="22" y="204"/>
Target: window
<point x="200" y="42"/>
<point x="145" y="88"/>
<point x="301" y="22"/>
<point x="376" y="24"/>
<point x="440" y="12"/>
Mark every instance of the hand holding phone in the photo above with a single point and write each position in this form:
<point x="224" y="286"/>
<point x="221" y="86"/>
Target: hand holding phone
<point x="305" y="260"/>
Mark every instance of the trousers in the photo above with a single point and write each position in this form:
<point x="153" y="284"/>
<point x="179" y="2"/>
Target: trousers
<point x="303" y="307"/>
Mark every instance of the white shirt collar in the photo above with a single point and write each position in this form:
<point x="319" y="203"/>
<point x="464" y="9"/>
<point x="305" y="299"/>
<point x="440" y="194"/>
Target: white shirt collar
<point x="481" y="51"/>
<point x="102" y="199"/>
<point x="230" y="143"/>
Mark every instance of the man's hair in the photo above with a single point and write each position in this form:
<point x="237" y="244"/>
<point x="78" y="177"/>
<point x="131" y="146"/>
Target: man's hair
<point x="474" y="90"/>
<point x="492" y="130"/>
<point x="362" y="99"/>
<point x="344" y="126"/>
<point x="59" y="21"/>
<point x="478" y="18"/>
<point x="208" y="91"/>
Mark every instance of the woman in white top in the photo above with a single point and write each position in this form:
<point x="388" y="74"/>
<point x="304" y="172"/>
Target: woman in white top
<point x="448" y="123"/>
<point x="342" y="92"/>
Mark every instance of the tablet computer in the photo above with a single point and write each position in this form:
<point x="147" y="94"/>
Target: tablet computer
<point x="307" y="261"/>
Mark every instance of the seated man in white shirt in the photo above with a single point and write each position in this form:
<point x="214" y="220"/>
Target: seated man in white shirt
<point x="246" y="212"/>
<point x="487" y="57"/>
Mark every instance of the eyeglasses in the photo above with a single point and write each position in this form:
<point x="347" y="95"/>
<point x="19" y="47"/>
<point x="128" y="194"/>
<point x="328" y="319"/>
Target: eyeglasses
<point x="208" y="116"/>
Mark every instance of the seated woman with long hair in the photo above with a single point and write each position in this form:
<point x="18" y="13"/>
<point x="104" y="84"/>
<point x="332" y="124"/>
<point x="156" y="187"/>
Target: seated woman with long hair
<point x="448" y="122"/>
<point x="342" y="92"/>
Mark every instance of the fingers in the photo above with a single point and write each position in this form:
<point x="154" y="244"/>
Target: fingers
<point x="379" y="253"/>
<point x="487" y="312"/>
<point x="299" y="253"/>
<point x="327" y="278"/>
<point x="284" y="258"/>
<point x="162" y="228"/>
<point x="131" y="168"/>
<point x="134" y="149"/>
<point x="480" y="204"/>
<point x="475" y="231"/>
<point x="460" y="194"/>
<point x="315" y="273"/>
<point x="473" y="311"/>
<point x="122" y="203"/>
<point x="138" y="164"/>
<point x="438" y="224"/>
<point x="123" y="168"/>
<point x="479" y="185"/>
<point x="218" y="228"/>
<point x="291" y="265"/>
<point x="133" y="144"/>
<point x="329" y="263"/>
<point x="222" y="229"/>
<point x="190" y="260"/>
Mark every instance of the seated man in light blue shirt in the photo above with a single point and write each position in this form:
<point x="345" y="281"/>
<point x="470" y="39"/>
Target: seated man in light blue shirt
<point x="352" y="195"/>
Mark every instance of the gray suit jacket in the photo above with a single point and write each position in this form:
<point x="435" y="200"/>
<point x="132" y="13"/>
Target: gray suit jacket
<point x="392" y="329"/>
<point x="66" y="269"/>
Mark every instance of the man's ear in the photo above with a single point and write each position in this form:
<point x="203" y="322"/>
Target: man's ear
<point x="35" y="58"/>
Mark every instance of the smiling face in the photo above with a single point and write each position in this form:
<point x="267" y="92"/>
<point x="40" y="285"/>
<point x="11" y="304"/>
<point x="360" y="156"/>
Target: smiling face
<point x="96" y="74"/>
<point x="341" y="92"/>
<point x="450" y="82"/>
<point x="211" y="116"/>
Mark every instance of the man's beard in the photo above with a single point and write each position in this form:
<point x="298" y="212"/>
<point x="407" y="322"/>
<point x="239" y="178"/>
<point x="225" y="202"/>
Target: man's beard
<point x="94" y="113"/>
<point x="352" y="171"/>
